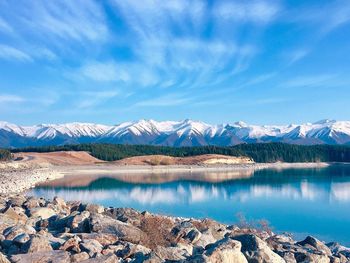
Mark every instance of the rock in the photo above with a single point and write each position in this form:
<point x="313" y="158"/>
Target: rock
<point x="3" y="258"/>
<point x="306" y="257"/>
<point x="315" y="243"/>
<point x="91" y="247"/>
<point x="153" y="258"/>
<point x="103" y="259"/>
<point x="80" y="257"/>
<point x="17" y="200"/>
<point x="127" y="250"/>
<point x="37" y="244"/>
<point x="193" y="235"/>
<point x="31" y="202"/>
<point x="59" y="202"/>
<point x="226" y="251"/>
<point x="11" y="217"/>
<point x="55" y="256"/>
<point x="205" y="239"/>
<point x="171" y="253"/>
<point x="256" y="250"/>
<point x="71" y="244"/>
<point x="338" y="249"/>
<point x="42" y="212"/>
<point x="102" y="238"/>
<point x="92" y="208"/>
<point x="126" y="215"/>
<point x="123" y="231"/>
<point x="79" y="222"/>
<point x="21" y="239"/>
<point x="12" y="232"/>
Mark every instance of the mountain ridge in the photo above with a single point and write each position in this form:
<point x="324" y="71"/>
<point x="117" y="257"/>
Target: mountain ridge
<point x="173" y="133"/>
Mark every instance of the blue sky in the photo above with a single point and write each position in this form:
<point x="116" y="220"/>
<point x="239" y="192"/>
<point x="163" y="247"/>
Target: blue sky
<point x="263" y="62"/>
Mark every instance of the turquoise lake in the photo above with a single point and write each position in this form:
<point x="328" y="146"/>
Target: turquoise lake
<point x="299" y="201"/>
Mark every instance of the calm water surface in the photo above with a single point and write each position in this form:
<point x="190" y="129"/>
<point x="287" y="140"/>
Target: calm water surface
<point x="299" y="201"/>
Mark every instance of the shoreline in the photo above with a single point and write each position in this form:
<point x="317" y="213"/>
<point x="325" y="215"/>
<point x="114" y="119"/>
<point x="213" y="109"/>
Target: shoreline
<point x="39" y="230"/>
<point x="17" y="177"/>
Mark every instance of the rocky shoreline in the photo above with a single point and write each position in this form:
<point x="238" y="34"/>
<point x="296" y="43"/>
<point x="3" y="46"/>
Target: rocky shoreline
<point x="38" y="230"/>
<point x="16" y="177"/>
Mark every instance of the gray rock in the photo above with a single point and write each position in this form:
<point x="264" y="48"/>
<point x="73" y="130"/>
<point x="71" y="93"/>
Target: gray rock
<point x="105" y="239"/>
<point x="306" y="257"/>
<point x="79" y="257"/>
<point x="193" y="235"/>
<point x="315" y="243"/>
<point x="103" y="259"/>
<point x="42" y="212"/>
<point x="337" y="249"/>
<point x="226" y="251"/>
<point x="21" y="239"/>
<point x="124" y="231"/>
<point x="79" y="223"/>
<point x="55" y="256"/>
<point x="171" y="253"/>
<point x="91" y="247"/>
<point x="12" y="232"/>
<point x="256" y="250"/>
<point x="36" y="243"/>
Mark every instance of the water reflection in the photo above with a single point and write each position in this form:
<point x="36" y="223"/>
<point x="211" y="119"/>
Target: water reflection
<point x="315" y="201"/>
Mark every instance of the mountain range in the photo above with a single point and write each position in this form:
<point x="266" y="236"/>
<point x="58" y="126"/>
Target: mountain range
<point x="174" y="133"/>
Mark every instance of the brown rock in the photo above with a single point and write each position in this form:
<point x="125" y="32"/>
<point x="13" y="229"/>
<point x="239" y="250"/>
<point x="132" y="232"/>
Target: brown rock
<point x="93" y="208"/>
<point x="71" y="244"/>
<point x="3" y="258"/>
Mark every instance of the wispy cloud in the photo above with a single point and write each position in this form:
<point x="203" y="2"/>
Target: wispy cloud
<point x="4" y="26"/>
<point x="7" y="98"/>
<point x="296" y="55"/>
<point x="11" y="53"/>
<point x="163" y="101"/>
<point x="322" y="80"/>
<point x="91" y="99"/>
<point x="104" y="72"/>
<point x="255" y="11"/>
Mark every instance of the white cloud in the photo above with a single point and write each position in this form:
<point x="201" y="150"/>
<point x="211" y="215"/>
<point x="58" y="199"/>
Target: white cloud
<point x="11" y="53"/>
<point x="247" y="11"/>
<point x="310" y="81"/>
<point x="163" y="101"/>
<point x="4" y="26"/>
<point x="296" y="55"/>
<point x="6" y="98"/>
<point x="104" y="72"/>
<point x="91" y="99"/>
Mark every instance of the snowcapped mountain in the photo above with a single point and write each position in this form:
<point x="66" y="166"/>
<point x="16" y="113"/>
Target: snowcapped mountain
<point x="174" y="133"/>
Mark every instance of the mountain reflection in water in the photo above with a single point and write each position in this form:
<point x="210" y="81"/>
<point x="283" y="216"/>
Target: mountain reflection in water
<point x="301" y="201"/>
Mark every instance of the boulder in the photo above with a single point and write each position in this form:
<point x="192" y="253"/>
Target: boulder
<point x="37" y="243"/>
<point x="42" y="212"/>
<point x="11" y="232"/>
<point x="21" y="239"/>
<point x="193" y="235"/>
<point x="91" y="247"/>
<point x="315" y="243"/>
<point x="71" y="244"/>
<point x="17" y="200"/>
<point x="93" y="208"/>
<point x="226" y="251"/>
<point x="171" y="253"/>
<point x="79" y="257"/>
<point x="256" y="250"/>
<point x="11" y="217"/>
<point x="127" y="232"/>
<point x="103" y="259"/>
<point x="59" y="202"/>
<point x="79" y="222"/>
<point x="54" y="256"/>
<point x="3" y="258"/>
<point x="103" y="238"/>
<point x="307" y="257"/>
<point x="338" y="249"/>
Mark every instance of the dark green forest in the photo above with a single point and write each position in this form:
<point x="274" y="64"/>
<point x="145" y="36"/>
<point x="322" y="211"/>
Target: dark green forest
<point x="259" y="152"/>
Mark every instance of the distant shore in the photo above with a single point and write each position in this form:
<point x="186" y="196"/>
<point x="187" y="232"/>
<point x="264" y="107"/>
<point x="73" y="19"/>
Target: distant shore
<point x="19" y="176"/>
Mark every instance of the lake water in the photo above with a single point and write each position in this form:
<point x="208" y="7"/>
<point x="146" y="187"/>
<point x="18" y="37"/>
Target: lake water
<point x="298" y="201"/>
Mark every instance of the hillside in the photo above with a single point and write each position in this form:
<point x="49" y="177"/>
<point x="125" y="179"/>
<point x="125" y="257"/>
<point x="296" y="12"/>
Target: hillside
<point x="174" y="133"/>
<point x="259" y="152"/>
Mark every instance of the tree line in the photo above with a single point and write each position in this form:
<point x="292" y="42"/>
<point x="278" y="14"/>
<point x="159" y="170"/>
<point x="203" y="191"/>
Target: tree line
<point x="5" y="155"/>
<point x="259" y="152"/>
